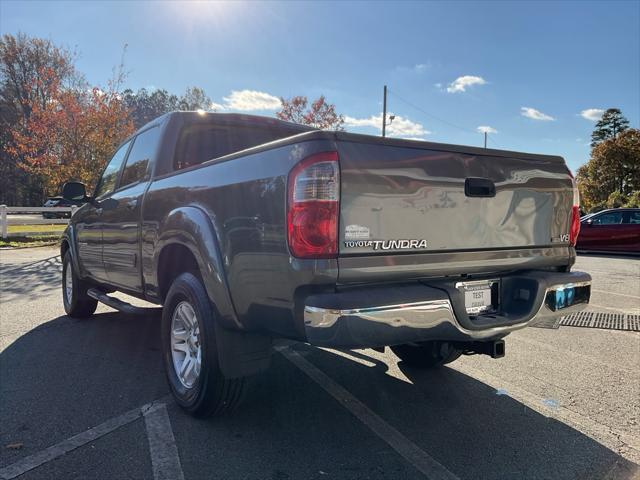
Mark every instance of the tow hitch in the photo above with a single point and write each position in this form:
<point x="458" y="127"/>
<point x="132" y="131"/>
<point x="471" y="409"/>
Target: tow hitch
<point x="494" y="348"/>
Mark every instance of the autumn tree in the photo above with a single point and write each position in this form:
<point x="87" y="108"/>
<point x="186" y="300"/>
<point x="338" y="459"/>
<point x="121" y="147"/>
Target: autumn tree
<point x="29" y="67"/>
<point x="609" y="126"/>
<point x="320" y="114"/>
<point x="614" y="167"/>
<point x="72" y="135"/>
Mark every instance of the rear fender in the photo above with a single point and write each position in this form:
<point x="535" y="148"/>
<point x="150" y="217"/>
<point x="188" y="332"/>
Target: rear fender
<point x="240" y="353"/>
<point x="193" y="228"/>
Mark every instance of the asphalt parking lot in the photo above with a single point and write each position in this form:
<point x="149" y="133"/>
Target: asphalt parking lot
<point x="88" y="399"/>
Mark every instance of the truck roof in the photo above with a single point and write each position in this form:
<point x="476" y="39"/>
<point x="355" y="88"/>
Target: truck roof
<point x="229" y="118"/>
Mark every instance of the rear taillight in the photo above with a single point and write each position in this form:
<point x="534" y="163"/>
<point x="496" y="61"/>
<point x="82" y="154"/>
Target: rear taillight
<point x="574" y="230"/>
<point x="313" y="207"/>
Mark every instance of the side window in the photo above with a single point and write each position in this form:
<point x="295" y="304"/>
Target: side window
<point x="634" y="217"/>
<point x="107" y="182"/>
<point x="612" y="218"/>
<point x="140" y="157"/>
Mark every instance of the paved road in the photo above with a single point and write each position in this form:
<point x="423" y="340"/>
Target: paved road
<point x="88" y="399"/>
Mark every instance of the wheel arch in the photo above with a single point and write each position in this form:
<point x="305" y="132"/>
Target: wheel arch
<point x="187" y="241"/>
<point x="68" y="244"/>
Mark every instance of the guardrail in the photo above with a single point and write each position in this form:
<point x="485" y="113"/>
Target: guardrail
<point x="6" y="220"/>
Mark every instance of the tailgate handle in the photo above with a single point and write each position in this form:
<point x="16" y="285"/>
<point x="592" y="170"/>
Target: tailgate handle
<point x="479" y="187"/>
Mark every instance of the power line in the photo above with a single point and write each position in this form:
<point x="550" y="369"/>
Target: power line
<point x="411" y="104"/>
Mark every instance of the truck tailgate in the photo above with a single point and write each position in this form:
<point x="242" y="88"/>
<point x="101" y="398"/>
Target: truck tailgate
<point x="436" y="203"/>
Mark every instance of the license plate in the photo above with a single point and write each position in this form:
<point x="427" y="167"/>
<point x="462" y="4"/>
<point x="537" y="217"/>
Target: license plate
<point x="478" y="297"/>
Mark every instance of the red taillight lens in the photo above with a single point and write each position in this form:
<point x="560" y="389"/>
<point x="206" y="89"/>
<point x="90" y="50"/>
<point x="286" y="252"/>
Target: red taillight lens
<point x="313" y="207"/>
<point x="575" y="225"/>
<point x="574" y="230"/>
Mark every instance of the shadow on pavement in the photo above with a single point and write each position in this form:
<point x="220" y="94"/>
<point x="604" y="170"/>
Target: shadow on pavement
<point x="289" y="428"/>
<point x="66" y="376"/>
<point x="619" y="256"/>
<point x="30" y="281"/>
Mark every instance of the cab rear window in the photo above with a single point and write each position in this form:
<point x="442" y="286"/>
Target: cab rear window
<point x="199" y="143"/>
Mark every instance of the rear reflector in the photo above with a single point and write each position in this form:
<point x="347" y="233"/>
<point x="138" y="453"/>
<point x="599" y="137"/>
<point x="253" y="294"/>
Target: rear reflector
<point x="313" y="207"/>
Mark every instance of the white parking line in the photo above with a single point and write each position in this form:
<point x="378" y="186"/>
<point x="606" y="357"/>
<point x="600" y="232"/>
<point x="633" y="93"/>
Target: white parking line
<point x="603" y="434"/>
<point x="417" y="457"/>
<point x="636" y="297"/>
<point x="162" y="444"/>
<point x="66" y="446"/>
<point x="632" y="312"/>
<point x="51" y="453"/>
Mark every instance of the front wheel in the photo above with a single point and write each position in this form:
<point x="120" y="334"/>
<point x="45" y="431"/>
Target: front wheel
<point x="426" y="354"/>
<point x="190" y="353"/>
<point x="76" y="302"/>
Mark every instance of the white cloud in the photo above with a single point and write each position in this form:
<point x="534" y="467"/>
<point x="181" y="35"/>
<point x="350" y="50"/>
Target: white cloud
<point x="593" y="114"/>
<point x="534" y="114"/>
<point x="248" y="100"/>
<point x="400" y="127"/>
<point x="486" y="129"/>
<point x="461" y="84"/>
<point x="420" y="67"/>
<point x="217" y="107"/>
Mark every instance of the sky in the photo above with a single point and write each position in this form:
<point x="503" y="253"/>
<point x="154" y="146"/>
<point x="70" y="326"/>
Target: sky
<point x="535" y="75"/>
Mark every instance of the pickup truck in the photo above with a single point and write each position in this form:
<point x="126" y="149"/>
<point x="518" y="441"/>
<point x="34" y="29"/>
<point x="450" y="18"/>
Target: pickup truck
<point x="248" y="229"/>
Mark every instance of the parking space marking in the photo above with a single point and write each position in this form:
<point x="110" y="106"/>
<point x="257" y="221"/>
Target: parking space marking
<point x="632" y="312"/>
<point x="51" y="453"/>
<point x="165" y="460"/>
<point x="602" y="434"/>
<point x="417" y="457"/>
<point x="615" y="293"/>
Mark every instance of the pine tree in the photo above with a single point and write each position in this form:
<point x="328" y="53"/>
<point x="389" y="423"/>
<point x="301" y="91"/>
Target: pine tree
<point x="609" y="126"/>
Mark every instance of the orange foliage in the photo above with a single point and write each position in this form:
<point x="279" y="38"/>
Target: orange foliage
<point x="71" y="135"/>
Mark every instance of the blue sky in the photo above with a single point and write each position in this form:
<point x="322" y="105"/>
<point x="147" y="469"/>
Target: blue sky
<point x="526" y="70"/>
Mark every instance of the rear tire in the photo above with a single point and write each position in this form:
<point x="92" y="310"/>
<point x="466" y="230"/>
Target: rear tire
<point x="190" y="352"/>
<point x="426" y="354"/>
<point x="76" y="302"/>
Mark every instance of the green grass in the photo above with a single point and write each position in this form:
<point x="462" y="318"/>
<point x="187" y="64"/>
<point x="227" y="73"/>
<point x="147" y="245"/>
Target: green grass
<point x="51" y="229"/>
<point x="38" y="235"/>
<point x="24" y="242"/>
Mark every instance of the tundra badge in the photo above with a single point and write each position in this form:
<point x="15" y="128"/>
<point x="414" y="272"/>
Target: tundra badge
<point x="387" y="244"/>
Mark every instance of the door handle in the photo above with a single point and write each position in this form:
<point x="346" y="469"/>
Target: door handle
<point x="99" y="211"/>
<point x="479" y="187"/>
<point x="131" y="204"/>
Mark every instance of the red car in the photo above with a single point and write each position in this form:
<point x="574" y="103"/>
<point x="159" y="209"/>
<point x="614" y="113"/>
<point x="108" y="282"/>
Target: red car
<point x="614" y="230"/>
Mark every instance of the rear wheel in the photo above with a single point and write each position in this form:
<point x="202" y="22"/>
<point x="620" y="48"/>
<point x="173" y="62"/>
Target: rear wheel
<point x="427" y="354"/>
<point x="190" y="353"/>
<point x="76" y="302"/>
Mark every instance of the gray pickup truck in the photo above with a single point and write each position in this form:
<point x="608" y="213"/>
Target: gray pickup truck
<point x="246" y="229"/>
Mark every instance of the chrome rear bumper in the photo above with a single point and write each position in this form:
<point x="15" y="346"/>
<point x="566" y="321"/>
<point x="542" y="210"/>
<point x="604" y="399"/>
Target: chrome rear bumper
<point x="337" y="320"/>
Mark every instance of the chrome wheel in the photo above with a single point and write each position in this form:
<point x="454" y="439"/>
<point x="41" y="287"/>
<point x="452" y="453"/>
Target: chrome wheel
<point x="68" y="282"/>
<point x="186" y="351"/>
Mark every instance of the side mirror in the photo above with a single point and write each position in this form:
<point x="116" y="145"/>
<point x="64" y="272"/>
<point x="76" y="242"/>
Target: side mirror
<point x="589" y="221"/>
<point x="74" y="191"/>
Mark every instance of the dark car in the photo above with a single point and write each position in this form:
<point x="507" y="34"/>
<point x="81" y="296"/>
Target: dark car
<point x="614" y="230"/>
<point x="58" y="202"/>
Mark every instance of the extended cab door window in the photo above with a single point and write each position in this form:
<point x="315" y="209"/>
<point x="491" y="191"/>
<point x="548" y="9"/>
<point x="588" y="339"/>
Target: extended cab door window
<point x="109" y="177"/>
<point x="140" y="157"/>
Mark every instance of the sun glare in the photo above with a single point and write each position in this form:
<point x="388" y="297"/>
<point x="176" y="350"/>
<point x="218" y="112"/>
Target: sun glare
<point x="198" y="11"/>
